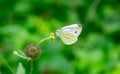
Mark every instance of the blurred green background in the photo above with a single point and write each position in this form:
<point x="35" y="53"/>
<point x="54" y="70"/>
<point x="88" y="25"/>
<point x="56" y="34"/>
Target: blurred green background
<point x="97" y="51"/>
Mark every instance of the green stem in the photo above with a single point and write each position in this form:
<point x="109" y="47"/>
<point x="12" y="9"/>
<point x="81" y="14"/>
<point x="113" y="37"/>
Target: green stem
<point x="4" y="61"/>
<point x="42" y="40"/>
<point x="24" y="57"/>
<point x="31" y="67"/>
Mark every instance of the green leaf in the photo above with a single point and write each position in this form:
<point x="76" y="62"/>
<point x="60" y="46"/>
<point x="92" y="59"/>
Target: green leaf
<point x="20" y="69"/>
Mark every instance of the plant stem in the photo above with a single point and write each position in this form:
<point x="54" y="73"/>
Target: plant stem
<point x="24" y="57"/>
<point x="31" y="67"/>
<point x="42" y="40"/>
<point x="4" y="61"/>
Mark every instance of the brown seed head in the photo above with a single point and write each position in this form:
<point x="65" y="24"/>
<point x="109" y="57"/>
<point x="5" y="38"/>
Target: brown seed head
<point x="32" y="51"/>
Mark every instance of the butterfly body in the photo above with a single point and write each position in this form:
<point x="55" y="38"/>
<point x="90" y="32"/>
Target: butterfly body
<point x="69" y="34"/>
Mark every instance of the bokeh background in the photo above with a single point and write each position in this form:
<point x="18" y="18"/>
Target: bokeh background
<point x="97" y="51"/>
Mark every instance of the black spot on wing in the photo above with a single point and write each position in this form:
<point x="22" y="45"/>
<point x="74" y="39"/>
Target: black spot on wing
<point x="75" y="32"/>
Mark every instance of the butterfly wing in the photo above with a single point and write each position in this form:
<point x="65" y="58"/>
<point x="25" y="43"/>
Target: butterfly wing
<point x="69" y="34"/>
<point x="74" y="29"/>
<point x="67" y="38"/>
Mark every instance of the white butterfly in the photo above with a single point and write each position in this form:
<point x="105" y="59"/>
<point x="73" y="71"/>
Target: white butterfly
<point x="69" y="34"/>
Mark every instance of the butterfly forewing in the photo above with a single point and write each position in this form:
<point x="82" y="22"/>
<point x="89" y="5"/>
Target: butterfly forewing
<point x="74" y="29"/>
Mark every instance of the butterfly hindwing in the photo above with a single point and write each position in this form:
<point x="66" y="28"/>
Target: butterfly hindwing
<point x="67" y="38"/>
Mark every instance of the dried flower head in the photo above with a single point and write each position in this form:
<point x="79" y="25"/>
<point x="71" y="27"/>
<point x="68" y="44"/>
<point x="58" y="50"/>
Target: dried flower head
<point x="32" y="51"/>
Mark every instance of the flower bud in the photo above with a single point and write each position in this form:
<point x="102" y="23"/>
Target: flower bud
<point x="52" y="36"/>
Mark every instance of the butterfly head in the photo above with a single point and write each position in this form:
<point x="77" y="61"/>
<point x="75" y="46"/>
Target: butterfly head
<point x="57" y="32"/>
